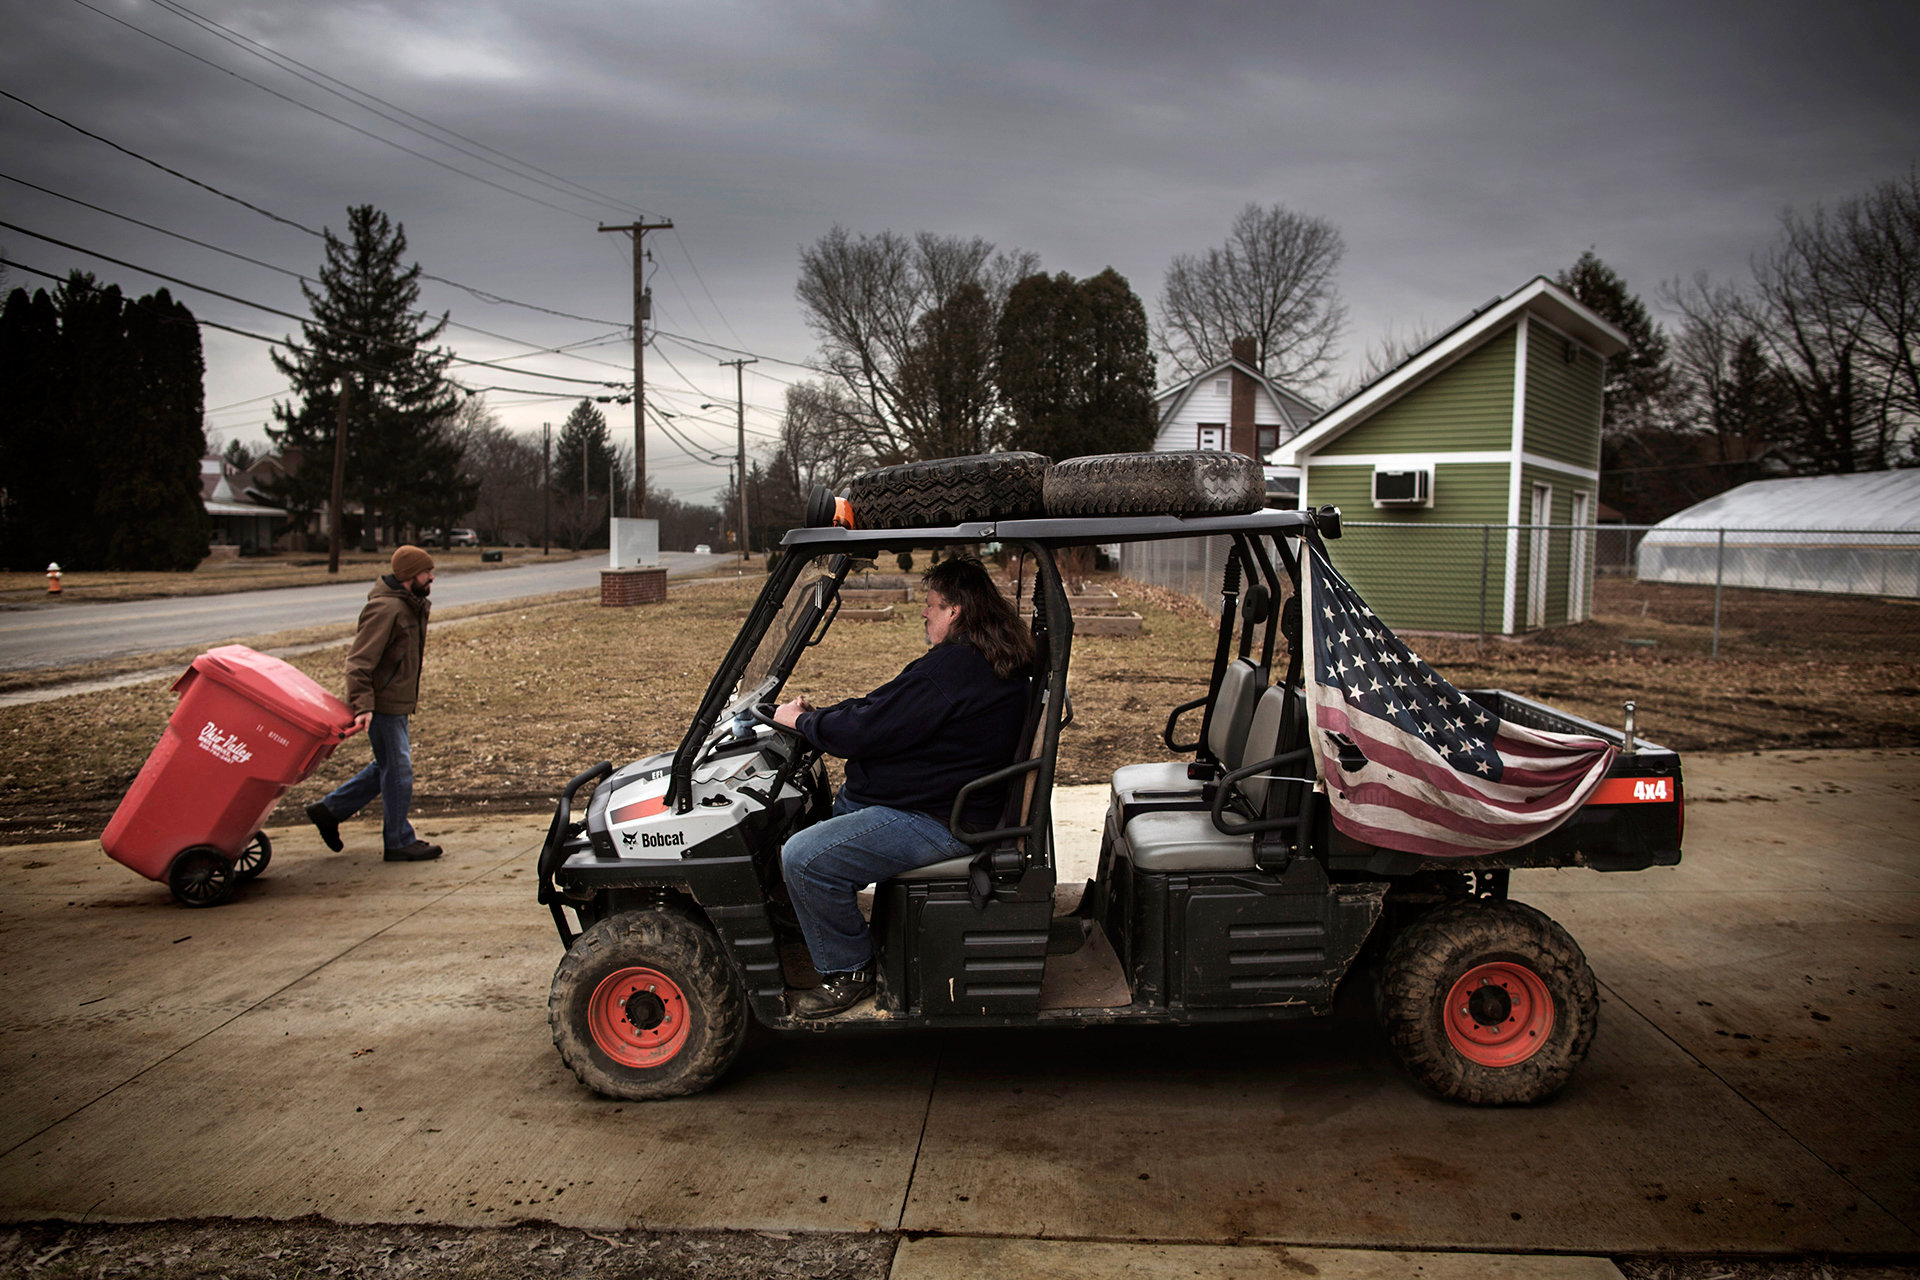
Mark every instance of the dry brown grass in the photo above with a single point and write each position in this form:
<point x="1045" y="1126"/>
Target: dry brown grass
<point x="516" y="702"/>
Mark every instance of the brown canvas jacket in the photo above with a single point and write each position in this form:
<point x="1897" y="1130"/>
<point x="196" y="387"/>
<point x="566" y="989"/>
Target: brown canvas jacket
<point x="383" y="666"/>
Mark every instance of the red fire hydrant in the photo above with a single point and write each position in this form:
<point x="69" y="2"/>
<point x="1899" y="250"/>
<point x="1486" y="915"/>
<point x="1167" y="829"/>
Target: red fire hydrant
<point x="53" y="579"/>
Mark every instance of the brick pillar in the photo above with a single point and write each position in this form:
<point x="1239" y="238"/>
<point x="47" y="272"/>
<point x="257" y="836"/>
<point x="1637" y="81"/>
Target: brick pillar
<point x="633" y="586"/>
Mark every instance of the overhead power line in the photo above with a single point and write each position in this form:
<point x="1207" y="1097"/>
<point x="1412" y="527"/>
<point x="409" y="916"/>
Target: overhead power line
<point x="534" y="348"/>
<point x="302" y="320"/>
<point x="273" y="341"/>
<point x="344" y="124"/>
<point x="156" y="164"/>
<point x="481" y="294"/>
<point x="351" y="93"/>
<point x="697" y="342"/>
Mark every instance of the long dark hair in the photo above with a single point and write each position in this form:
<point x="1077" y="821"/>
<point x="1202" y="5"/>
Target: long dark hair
<point x="987" y="619"/>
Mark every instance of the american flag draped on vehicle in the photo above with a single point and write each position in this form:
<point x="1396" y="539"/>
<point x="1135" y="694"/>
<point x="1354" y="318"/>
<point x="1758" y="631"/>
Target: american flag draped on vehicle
<point x="1409" y="761"/>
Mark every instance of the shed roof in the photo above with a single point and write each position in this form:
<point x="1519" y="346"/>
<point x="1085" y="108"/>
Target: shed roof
<point x="1540" y="296"/>
<point x="1867" y="501"/>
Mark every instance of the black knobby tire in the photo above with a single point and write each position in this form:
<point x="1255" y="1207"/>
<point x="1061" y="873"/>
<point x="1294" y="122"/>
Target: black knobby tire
<point x="945" y="491"/>
<point x="647" y="1005"/>
<point x="1487" y="1001"/>
<point x="201" y="877"/>
<point x="1193" y="482"/>
<point x="254" y="858"/>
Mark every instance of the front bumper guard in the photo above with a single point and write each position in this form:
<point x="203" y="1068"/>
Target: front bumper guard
<point x="553" y="851"/>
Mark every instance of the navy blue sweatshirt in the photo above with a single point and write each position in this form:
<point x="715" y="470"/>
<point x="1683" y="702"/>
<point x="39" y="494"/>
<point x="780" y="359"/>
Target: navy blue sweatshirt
<point x="943" y="721"/>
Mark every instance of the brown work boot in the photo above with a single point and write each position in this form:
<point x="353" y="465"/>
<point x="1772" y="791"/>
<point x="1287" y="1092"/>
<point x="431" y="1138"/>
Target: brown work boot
<point x="836" y="993"/>
<point x="418" y="851"/>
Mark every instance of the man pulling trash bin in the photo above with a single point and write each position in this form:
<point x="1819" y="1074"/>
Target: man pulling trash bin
<point x="383" y="687"/>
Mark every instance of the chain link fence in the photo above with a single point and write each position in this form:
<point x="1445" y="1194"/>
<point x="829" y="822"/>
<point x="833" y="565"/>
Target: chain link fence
<point x="1809" y="594"/>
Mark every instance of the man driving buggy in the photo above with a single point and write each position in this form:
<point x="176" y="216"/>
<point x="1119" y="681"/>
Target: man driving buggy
<point x="950" y="716"/>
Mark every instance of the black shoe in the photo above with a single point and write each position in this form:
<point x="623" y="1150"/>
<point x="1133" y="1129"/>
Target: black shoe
<point x="836" y="993"/>
<point x="418" y="851"/>
<point x="322" y="817"/>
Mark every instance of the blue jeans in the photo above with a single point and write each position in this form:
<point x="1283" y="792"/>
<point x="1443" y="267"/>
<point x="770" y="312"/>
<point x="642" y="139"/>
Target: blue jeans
<point x="390" y="777"/>
<point x="827" y="865"/>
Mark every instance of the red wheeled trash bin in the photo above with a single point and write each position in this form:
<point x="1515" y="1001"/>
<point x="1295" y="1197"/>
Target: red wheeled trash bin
<point x="247" y="728"/>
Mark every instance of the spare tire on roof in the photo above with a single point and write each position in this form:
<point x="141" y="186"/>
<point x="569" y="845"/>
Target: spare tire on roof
<point x="1191" y="482"/>
<point x="944" y="491"/>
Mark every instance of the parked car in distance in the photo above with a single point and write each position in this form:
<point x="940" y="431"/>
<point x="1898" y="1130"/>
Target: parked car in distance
<point x="703" y="550"/>
<point x="456" y="538"/>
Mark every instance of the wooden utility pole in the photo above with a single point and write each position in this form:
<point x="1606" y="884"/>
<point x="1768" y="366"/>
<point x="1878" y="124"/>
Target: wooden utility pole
<point x="642" y="312"/>
<point x="740" y="422"/>
<point x="339" y="478"/>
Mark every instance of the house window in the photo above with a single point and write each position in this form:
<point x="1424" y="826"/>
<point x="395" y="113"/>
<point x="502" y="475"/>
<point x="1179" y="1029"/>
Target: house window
<point x="1269" y="437"/>
<point x="1213" y="435"/>
<point x="1220" y="386"/>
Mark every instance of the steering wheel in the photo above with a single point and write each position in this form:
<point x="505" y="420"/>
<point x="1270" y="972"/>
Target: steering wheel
<point x="763" y="712"/>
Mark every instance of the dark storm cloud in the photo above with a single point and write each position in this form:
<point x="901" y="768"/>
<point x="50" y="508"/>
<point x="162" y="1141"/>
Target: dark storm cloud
<point x="1460" y="149"/>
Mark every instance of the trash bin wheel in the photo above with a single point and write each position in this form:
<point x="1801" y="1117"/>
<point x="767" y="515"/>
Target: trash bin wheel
<point x="254" y="858"/>
<point x="646" y="1005"/>
<point x="201" y="877"/>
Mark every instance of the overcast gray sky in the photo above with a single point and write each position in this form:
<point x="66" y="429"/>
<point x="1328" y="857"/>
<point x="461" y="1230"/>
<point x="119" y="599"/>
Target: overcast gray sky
<point x="1460" y="149"/>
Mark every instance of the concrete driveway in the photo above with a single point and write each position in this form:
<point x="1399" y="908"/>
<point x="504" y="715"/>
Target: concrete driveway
<point x="368" y="1043"/>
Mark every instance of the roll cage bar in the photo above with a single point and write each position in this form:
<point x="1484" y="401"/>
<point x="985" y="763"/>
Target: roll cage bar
<point x="1040" y="536"/>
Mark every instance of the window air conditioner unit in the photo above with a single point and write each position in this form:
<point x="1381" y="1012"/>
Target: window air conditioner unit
<point x="1411" y="488"/>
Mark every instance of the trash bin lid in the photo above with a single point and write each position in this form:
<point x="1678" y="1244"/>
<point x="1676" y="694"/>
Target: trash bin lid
<point x="276" y="686"/>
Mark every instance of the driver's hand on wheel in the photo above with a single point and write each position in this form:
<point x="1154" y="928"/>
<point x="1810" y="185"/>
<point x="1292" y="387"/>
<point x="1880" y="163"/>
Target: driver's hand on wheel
<point x="788" y="713"/>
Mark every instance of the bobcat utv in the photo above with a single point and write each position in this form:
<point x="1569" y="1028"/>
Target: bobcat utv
<point x="1223" y="891"/>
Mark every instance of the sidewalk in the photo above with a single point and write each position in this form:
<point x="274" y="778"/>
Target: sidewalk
<point x="368" y="1043"/>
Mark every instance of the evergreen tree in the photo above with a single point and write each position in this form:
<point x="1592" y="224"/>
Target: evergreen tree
<point x="1075" y="366"/>
<point x="403" y="460"/>
<point x="1640" y="383"/>
<point x="582" y="457"/>
<point x="101" y="463"/>
<point x="33" y="504"/>
<point x="149" y="500"/>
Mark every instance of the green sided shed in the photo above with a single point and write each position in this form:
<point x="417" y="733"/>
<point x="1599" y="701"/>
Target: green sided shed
<point x="1469" y="473"/>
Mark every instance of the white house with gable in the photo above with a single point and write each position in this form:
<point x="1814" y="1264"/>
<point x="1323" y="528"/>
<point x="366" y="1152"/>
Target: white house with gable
<point x="1233" y="407"/>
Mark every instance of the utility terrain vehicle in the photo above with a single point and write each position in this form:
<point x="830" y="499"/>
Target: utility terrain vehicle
<point x="1223" y="891"/>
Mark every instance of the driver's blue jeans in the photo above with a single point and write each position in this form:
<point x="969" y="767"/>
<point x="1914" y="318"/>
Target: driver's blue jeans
<point x="826" y="865"/>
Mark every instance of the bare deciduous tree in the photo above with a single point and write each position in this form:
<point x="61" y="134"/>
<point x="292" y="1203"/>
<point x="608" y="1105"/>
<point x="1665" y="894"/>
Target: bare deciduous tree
<point x="506" y="507"/>
<point x="870" y="299"/>
<point x="1273" y="281"/>
<point x="1726" y="388"/>
<point x="1384" y="355"/>
<point x="1837" y="300"/>
<point x="817" y="446"/>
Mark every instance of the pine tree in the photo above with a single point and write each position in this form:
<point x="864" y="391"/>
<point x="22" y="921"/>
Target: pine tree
<point x="581" y="459"/>
<point x="1639" y="388"/>
<point x="402" y="460"/>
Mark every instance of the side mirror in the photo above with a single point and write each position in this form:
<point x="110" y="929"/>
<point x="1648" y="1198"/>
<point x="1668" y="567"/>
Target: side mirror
<point x="1327" y="520"/>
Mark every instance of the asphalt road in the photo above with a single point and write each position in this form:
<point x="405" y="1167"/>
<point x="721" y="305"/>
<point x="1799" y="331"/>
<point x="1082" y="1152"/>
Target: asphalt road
<point x="60" y="633"/>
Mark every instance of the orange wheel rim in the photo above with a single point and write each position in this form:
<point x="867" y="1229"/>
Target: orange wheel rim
<point x="1499" y="1014"/>
<point x="638" y="1017"/>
